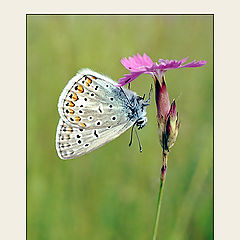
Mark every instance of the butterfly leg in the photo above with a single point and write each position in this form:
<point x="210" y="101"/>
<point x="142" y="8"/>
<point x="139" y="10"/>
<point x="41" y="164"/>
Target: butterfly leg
<point x="140" y="146"/>
<point x="130" y="143"/>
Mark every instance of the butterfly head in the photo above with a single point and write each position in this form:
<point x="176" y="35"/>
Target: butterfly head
<point x="142" y="103"/>
<point x="141" y="122"/>
<point x="139" y="111"/>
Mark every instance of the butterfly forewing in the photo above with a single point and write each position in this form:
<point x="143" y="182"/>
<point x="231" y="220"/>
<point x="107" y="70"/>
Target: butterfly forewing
<point x="91" y="100"/>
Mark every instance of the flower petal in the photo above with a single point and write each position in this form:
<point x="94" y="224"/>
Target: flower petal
<point x="147" y="60"/>
<point x="172" y="111"/>
<point x="137" y="62"/>
<point x="138" y="65"/>
<point x="183" y="60"/>
<point x="128" y="78"/>
<point x="172" y="64"/>
<point x="194" y="64"/>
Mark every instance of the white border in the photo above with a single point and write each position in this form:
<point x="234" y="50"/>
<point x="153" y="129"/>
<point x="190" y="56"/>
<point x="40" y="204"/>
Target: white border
<point x="226" y="115"/>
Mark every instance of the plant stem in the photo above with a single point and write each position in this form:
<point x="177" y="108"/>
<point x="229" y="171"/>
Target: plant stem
<point x="162" y="181"/>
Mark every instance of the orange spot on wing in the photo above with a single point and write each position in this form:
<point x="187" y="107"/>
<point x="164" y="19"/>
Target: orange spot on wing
<point x="71" y="111"/>
<point x="83" y="124"/>
<point x="71" y="104"/>
<point x="75" y="97"/>
<point x="89" y="81"/>
<point x="77" y="119"/>
<point x="70" y="129"/>
<point x="80" y="88"/>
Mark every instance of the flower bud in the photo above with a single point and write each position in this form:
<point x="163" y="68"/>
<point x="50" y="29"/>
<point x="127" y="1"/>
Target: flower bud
<point x="172" y="126"/>
<point x="162" y="99"/>
<point x="168" y="123"/>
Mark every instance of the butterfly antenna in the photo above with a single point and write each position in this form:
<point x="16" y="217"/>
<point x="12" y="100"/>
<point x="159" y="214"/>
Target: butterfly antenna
<point x="140" y="146"/>
<point x="148" y="102"/>
<point x="126" y="96"/>
<point x="150" y="92"/>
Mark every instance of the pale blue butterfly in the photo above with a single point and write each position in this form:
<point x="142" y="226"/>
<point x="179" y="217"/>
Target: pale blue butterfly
<point x="93" y="111"/>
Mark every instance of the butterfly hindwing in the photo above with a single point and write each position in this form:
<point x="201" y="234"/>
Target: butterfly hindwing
<point x="72" y="142"/>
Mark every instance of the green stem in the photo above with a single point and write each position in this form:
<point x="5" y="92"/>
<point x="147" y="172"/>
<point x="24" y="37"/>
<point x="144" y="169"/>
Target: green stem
<point x="162" y="181"/>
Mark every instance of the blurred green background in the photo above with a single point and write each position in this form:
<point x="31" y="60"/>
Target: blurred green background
<point x="112" y="192"/>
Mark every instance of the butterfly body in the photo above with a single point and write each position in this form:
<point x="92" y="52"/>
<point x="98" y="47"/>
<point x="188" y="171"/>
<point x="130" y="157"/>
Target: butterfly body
<point x="94" y="111"/>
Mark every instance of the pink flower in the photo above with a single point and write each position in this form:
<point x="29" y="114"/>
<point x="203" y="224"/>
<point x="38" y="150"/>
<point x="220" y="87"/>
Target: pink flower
<point x="168" y="123"/>
<point x="138" y="65"/>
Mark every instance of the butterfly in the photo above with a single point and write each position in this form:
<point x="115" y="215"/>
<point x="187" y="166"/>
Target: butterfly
<point x="93" y="111"/>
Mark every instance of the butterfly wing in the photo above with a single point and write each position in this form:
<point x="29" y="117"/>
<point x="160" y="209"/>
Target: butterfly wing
<point x="93" y="112"/>
<point x="72" y="142"/>
<point x="92" y="100"/>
